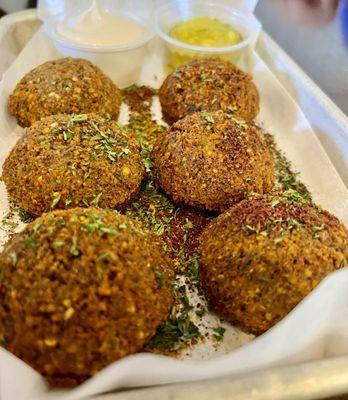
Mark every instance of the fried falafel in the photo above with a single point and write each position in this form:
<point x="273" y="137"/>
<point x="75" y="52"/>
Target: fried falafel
<point x="65" y="161"/>
<point x="64" y="86"/>
<point x="211" y="160"/>
<point x="210" y="85"/>
<point x="264" y="255"/>
<point x="79" y="289"/>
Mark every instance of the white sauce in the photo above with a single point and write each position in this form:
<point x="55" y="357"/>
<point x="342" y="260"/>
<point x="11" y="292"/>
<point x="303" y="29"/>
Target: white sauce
<point x="99" y="27"/>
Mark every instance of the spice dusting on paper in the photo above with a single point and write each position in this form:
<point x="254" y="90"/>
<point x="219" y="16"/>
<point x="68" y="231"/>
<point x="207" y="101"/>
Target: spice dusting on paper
<point x="179" y="229"/>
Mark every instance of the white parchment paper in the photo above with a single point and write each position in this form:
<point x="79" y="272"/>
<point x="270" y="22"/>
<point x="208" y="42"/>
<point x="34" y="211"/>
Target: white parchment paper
<point x="317" y="328"/>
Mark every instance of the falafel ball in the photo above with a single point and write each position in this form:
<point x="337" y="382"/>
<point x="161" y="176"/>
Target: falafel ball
<point x="211" y="85"/>
<point x="212" y="160"/>
<point x="264" y="255"/>
<point x="64" y="86"/>
<point x="79" y="289"/>
<point x="65" y="161"/>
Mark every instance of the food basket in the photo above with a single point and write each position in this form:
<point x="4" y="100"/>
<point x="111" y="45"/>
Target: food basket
<point x="316" y="379"/>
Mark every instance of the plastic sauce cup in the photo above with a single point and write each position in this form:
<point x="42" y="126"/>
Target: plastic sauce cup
<point x="178" y="52"/>
<point x="122" y="63"/>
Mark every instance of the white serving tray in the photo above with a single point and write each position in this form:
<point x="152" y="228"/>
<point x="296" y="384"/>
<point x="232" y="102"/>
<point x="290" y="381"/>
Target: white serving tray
<point x="327" y="121"/>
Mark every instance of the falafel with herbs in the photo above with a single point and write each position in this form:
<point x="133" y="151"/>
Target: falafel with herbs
<point x="210" y="85"/>
<point x="264" y="255"/>
<point x="80" y="289"/>
<point x="64" y="86"/>
<point x="212" y="160"/>
<point x="65" y="161"/>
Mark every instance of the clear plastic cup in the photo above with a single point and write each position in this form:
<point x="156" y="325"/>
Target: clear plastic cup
<point x="122" y="63"/>
<point x="177" y="52"/>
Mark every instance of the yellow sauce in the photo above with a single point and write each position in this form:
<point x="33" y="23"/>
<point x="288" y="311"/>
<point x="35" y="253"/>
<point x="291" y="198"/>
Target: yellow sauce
<point x="206" y="32"/>
<point x="203" y="32"/>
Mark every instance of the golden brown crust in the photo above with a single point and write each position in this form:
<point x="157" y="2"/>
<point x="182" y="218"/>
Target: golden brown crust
<point x="211" y="85"/>
<point x="64" y="86"/>
<point x="80" y="289"/>
<point x="212" y="160"/>
<point x="80" y="160"/>
<point x="264" y="255"/>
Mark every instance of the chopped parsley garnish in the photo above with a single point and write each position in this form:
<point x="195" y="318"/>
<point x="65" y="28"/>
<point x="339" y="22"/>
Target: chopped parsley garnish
<point x="188" y="224"/>
<point x="95" y="223"/>
<point x="190" y="267"/>
<point x="74" y="251"/>
<point x="122" y="226"/>
<point x="264" y="278"/>
<point x="67" y="135"/>
<point x="208" y="117"/>
<point x="285" y="177"/>
<point x="275" y="203"/>
<point x="58" y="244"/>
<point x="232" y="109"/>
<point x="29" y="240"/>
<point x="249" y="228"/>
<point x="13" y="257"/>
<point x="76" y="118"/>
<point x="317" y="228"/>
<point x="241" y="123"/>
<point x="8" y="222"/>
<point x="73" y="170"/>
<point x="295" y="196"/>
<point x="173" y="331"/>
<point x="159" y="275"/>
<point x="55" y="200"/>
<point x="23" y="215"/>
<point x="219" y="333"/>
<point x="96" y="200"/>
<point x="130" y="87"/>
<point x="108" y="229"/>
<point x="102" y="256"/>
